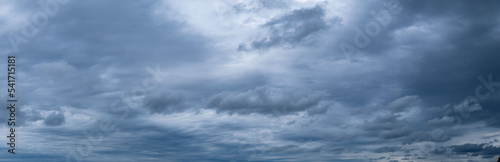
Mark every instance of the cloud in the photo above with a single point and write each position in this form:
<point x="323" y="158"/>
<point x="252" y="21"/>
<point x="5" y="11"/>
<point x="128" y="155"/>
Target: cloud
<point x="467" y="105"/>
<point x="265" y="100"/>
<point x="389" y="134"/>
<point x="484" y="150"/>
<point x="293" y="149"/>
<point x="295" y="28"/>
<point x="287" y="95"/>
<point x="164" y="102"/>
<point x="421" y="136"/>
<point x="321" y="108"/>
<point x="26" y="115"/>
<point x="403" y="103"/>
<point x="258" y="5"/>
<point x="439" y="122"/>
<point x="386" y="149"/>
<point x="439" y="151"/>
<point x="54" y="69"/>
<point x="387" y="121"/>
<point x="54" y="119"/>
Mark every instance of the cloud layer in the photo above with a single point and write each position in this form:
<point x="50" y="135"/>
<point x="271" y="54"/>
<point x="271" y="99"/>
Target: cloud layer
<point x="255" y="80"/>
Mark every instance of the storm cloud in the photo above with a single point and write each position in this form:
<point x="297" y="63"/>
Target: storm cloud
<point x="254" y="80"/>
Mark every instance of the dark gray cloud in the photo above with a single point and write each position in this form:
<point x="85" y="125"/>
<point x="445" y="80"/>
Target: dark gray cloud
<point x="387" y="149"/>
<point x="384" y="122"/>
<point x="164" y="102"/>
<point x="403" y="103"/>
<point x="290" y="96"/>
<point x="439" y="151"/>
<point x="396" y="133"/>
<point x="266" y="100"/>
<point x="54" y="119"/>
<point x="484" y="150"/>
<point x="422" y="136"/>
<point x="295" y="28"/>
<point x="28" y="115"/>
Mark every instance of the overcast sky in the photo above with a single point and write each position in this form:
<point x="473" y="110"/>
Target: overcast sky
<point x="253" y="80"/>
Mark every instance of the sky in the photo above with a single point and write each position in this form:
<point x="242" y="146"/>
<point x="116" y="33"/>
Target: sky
<point x="253" y="80"/>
